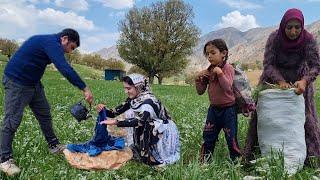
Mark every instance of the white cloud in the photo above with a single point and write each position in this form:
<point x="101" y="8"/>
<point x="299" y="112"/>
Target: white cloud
<point x="68" y="19"/>
<point x="117" y="4"/>
<point x="117" y="14"/>
<point x="26" y="17"/>
<point x="77" y="5"/>
<point x="19" y="20"/>
<point x="32" y="1"/>
<point x="16" y="14"/>
<point x="237" y="20"/>
<point x="36" y="1"/>
<point x="241" y="4"/>
<point x="98" y="41"/>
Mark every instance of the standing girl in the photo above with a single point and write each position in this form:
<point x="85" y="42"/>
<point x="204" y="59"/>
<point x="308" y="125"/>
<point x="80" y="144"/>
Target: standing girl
<point x="222" y="114"/>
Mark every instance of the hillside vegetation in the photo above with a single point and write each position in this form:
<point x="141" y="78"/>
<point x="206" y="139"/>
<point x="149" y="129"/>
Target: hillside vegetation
<point x="186" y="107"/>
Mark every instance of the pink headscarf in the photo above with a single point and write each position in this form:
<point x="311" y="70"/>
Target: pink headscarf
<point x="296" y="44"/>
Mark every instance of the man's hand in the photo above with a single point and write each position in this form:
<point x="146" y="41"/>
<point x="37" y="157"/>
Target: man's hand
<point x="284" y="85"/>
<point x="300" y="86"/>
<point x="88" y="95"/>
<point x="217" y="70"/>
<point x="109" y="122"/>
<point x="99" y="107"/>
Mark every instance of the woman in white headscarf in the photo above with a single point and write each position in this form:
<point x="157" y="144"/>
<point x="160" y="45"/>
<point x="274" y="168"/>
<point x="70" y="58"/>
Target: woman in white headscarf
<point x="156" y="137"/>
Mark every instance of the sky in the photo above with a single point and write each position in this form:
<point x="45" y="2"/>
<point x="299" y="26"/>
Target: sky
<point x="97" y="20"/>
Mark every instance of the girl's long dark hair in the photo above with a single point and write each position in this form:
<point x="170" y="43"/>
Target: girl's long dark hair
<point x="219" y="44"/>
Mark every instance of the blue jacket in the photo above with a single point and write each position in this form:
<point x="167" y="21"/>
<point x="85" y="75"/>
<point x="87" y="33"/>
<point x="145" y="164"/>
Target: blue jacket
<point x="101" y="141"/>
<point x="27" y="65"/>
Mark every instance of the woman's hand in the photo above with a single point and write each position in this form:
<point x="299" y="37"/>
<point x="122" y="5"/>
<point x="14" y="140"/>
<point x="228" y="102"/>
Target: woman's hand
<point x="284" y="85"/>
<point x="109" y="122"/>
<point x="300" y="86"/>
<point x="99" y="107"/>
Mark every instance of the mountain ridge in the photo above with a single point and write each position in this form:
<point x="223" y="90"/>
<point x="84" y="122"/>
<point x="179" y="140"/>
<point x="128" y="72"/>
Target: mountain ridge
<point x="245" y="47"/>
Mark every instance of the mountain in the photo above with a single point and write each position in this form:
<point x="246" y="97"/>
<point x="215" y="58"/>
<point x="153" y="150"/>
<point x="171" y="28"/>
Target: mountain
<point x="112" y="52"/>
<point x="245" y="47"/>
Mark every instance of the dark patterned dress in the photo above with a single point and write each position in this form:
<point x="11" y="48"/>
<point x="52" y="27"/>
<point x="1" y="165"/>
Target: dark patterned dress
<point x="291" y="67"/>
<point x="156" y="137"/>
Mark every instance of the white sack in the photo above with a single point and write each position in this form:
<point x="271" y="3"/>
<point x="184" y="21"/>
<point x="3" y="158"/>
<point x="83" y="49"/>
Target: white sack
<point x="281" y="118"/>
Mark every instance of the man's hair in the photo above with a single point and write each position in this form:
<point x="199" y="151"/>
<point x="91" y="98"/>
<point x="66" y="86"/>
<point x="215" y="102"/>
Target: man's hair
<point x="72" y="34"/>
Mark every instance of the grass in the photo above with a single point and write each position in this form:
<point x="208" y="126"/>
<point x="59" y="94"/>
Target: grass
<point x="185" y="106"/>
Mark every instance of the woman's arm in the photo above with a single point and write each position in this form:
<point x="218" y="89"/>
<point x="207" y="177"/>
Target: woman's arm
<point x="270" y="70"/>
<point x="130" y="122"/>
<point x="119" y="109"/>
<point x="313" y="61"/>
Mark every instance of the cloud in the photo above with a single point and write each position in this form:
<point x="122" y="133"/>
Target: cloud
<point x="117" y="14"/>
<point x="36" y="1"/>
<point x="32" y="1"/>
<point x="241" y="4"/>
<point x="68" y="19"/>
<point x="19" y="21"/>
<point x="237" y="20"/>
<point x="117" y="4"/>
<point x="78" y="5"/>
<point x="25" y="18"/>
<point x="16" y="14"/>
<point x="98" y="41"/>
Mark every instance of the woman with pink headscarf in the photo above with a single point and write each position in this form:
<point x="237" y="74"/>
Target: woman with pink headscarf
<point x="291" y="57"/>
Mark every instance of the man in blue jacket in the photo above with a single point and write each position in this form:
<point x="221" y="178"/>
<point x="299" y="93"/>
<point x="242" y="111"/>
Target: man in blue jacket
<point x="23" y="87"/>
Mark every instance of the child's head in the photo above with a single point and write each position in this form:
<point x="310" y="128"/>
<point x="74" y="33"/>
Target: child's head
<point x="216" y="51"/>
<point x="134" y="84"/>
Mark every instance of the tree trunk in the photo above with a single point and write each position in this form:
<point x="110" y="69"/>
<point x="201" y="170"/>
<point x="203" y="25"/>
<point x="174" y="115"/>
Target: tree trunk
<point x="151" y="78"/>
<point x="160" y="79"/>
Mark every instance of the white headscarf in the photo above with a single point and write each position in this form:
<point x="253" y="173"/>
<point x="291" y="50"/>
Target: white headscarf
<point x="145" y="93"/>
<point x="140" y="82"/>
<point x="142" y="85"/>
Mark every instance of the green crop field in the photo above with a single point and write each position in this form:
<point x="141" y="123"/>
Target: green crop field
<point x="186" y="107"/>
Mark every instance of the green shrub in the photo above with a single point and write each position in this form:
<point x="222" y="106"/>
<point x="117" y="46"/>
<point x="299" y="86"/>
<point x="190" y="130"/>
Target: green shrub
<point x="3" y="58"/>
<point x="190" y="79"/>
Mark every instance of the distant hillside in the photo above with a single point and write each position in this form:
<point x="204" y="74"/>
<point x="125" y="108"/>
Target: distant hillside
<point x="246" y="47"/>
<point x="112" y="52"/>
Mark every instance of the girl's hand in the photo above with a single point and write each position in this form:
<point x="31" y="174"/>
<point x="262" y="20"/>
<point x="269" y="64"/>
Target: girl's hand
<point x="204" y="74"/>
<point x="109" y="122"/>
<point x="217" y="70"/>
<point x="284" y="85"/>
<point x="99" y="107"/>
<point x="300" y="86"/>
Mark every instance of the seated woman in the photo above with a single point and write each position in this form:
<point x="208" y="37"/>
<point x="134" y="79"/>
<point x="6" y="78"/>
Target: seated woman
<point x="156" y="137"/>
